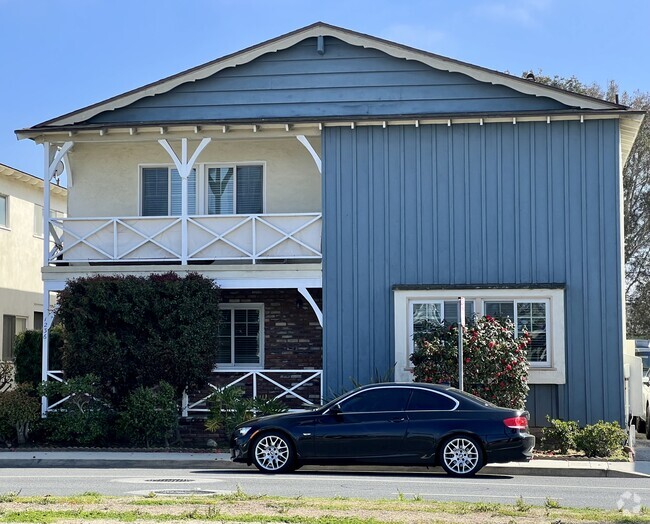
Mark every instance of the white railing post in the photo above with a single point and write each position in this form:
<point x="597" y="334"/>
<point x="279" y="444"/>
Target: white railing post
<point x="185" y="402"/>
<point x="254" y="232"/>
<point x="45" y="357"/>
<point x="254" y="385"/>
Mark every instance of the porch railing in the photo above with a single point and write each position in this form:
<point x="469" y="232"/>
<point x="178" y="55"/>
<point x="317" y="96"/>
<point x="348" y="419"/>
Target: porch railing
<point x="301" y="382"/>
<point x="250" y="238"/>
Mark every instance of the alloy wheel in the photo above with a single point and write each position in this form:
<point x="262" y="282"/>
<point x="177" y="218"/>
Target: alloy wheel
<point x="272" y="453"/>
<point x="461" y="456"/>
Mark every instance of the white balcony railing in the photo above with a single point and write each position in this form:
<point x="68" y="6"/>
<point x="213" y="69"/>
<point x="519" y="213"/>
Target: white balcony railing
<point x="249" y="238"/>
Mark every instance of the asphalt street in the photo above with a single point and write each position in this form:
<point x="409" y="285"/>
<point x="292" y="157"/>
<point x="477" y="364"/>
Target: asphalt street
<point x="603" y="493"/>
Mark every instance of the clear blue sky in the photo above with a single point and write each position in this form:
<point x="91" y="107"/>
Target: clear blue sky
<point x="61" y="55"/>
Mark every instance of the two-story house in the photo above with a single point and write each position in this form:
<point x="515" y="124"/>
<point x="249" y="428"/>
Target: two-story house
<point x="21" y="252"/>
<point x="340" y="189"/>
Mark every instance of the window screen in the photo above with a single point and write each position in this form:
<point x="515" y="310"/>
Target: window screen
<point x="4" y="219"/>
<point x="155" y="191"/>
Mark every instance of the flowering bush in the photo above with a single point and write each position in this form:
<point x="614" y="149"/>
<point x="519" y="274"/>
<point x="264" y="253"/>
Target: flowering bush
<point x="495" y="367"/>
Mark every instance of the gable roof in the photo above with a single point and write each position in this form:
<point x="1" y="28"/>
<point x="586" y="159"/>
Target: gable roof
<point x="318" y="29"/>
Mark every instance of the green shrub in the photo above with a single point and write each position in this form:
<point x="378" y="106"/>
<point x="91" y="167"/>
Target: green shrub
<point x="560" y="435"/>
<point x="149" y="416"/>
<point x="229" y="408"/>
<point x="19" y="409"/>
<point x="131" y="331"/>
<point x="7" y="373"/>
<point x="84" y="418"/>
<point x="28" y="354"/>
<point x="602" y="439"/>
<point x="495" y="366"/>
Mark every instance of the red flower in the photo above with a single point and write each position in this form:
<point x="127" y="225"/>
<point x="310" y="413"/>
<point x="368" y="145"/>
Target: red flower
<point x="508" y="367"/>
<point x="467" y="360"/>
<point x="491" y="344"/>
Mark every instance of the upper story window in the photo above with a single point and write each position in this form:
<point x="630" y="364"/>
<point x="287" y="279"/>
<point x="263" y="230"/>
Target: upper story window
<point x="223" y="189"/>
<point x="235" y="190"/>
<point x="162" y="192"/>
<point x="4" y="211"/>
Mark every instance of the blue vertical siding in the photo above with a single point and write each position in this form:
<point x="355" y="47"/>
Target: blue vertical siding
<point x="530" y="203"/>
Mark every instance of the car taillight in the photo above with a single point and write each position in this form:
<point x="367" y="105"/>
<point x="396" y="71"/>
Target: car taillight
<point x="516" y="423"/>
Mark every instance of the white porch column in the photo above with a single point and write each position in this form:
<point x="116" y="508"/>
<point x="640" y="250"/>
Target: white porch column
<point x="50" y="168"/>
<point x="45" y="361"/>
<point x="184" y="169"/>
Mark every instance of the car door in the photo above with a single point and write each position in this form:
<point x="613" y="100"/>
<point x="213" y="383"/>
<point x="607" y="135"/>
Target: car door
<point x="430" y="414"/>
<point x="368" y="426"/>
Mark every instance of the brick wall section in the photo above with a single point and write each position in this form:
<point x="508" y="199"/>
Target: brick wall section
<point x="293" y="339"/>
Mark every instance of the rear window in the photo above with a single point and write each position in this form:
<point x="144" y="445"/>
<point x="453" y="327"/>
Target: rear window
<point x="475" y="399"/>
<point x="422" y="400"/>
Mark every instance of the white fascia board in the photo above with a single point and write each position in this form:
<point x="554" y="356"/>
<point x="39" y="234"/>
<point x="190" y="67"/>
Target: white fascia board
<point x="393" y="49"/>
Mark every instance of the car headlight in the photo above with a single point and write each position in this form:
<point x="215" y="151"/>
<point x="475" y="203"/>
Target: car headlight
<point x="242" y="431"/>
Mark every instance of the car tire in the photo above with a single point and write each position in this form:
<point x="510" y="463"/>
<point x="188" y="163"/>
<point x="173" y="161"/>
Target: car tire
<point x="647" y="422"/>
<point x="461" y="456"/>
<point x="272" y="452"/>
<point x="640" y="424"/>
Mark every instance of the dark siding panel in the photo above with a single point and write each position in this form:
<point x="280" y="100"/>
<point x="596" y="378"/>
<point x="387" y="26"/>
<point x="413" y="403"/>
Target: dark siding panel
<point x="467" y="204"/>
<point x="345" y="81"/>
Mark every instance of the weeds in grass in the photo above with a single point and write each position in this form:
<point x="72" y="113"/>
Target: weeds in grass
<point x="417" y="498"/>
<point x="10" y="496"/>
<point x="551" y="503"/>
<point x="522" y="506"/>
<point x="400" y="496"/>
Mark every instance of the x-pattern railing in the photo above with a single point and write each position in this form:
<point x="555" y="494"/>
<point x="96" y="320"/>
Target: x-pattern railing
<point x="259" y="376"/>
<point x="210" y="237"/>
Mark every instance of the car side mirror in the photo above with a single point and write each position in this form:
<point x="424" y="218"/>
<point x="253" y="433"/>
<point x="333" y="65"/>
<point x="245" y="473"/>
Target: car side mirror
<point x="646" y="380"/>
<point x="335" y="410"/>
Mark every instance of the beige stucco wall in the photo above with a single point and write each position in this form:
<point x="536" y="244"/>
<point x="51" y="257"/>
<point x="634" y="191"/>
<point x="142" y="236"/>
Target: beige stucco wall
<point x="106" y="175"/>
<point x="21" y="252"/>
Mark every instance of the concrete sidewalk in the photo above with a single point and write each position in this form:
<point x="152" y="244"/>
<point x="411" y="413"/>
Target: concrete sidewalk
<point x="168" y="460"/>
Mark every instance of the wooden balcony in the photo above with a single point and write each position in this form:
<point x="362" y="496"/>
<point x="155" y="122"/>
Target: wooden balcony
<point x="201" y="239"/>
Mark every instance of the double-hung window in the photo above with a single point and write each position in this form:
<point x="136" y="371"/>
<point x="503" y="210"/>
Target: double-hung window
<point x="161" y="190"/>
<point x="539" y="312"/>
<point x="4" y="211"/>
<point x="234" y="189"/>
<point x="241" y="335"/>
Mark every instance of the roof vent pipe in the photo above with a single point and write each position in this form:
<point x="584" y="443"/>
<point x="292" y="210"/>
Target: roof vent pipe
<point x="320" y="45"/>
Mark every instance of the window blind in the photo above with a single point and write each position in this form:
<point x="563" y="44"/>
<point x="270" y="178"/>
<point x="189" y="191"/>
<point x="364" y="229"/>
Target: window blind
<point x="249" y="190"/>
<point x="177" y="193"/>
<point x="155" y="191"/>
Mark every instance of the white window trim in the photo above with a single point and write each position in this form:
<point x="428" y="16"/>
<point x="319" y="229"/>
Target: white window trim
<point x="245" y="305"/>
<point x="6" y="226"/>
<point x="552" y="373"/>
<point x="201" y="183"/>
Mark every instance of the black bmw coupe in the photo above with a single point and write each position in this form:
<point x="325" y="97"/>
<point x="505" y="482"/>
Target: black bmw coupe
<point x="389" y="424"/>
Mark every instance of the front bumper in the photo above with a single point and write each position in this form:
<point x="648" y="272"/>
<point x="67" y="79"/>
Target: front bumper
<point x="239" y="450"/>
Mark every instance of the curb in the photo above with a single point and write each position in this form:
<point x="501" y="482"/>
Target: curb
<point x="220" y="464"/>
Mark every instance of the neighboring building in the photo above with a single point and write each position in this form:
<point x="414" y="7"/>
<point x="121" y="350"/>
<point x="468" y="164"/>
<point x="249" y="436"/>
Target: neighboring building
<point x="21" y="252"/>
<point x="438" y="179"/>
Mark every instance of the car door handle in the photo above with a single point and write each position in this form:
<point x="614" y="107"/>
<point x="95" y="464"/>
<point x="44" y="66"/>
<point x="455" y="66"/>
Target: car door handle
<point x="401" y="419"/>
